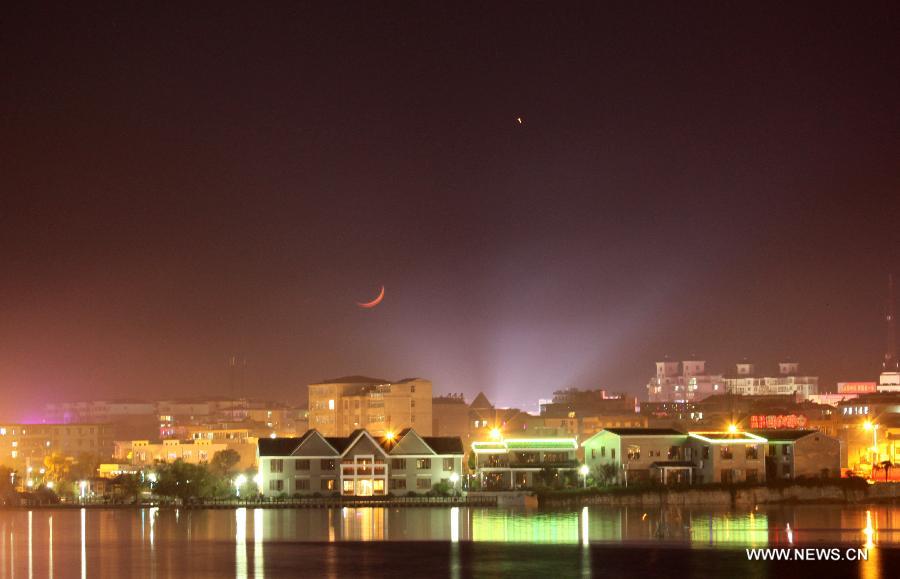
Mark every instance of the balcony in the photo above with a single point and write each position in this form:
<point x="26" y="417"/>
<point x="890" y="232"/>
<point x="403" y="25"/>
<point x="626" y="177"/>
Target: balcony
<point x="554" y="464"/>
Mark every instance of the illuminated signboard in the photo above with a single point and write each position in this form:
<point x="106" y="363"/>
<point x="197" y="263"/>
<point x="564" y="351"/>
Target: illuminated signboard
<point x="856" y="387"/>
<point x="778" y="421"/>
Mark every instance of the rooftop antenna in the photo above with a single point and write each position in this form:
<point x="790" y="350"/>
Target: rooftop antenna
<point x="890" y="354"/>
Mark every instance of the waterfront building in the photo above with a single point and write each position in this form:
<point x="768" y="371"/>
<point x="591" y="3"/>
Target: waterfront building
<point x="518" y="463"/>
<point x="727" y="457"/>
<point x="796" y="454"/>
<point x="359" y="464"/>
<point x="640" y="455"/>
<point x="343" y="405"/>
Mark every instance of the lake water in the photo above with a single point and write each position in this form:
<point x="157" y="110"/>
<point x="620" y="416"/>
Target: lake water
<point x="438" y="542"/>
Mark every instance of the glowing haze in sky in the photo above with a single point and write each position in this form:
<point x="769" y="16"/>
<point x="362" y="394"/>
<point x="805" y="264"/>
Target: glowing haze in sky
<point x="550" y="197"/>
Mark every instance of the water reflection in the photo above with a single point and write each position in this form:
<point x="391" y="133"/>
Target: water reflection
<point x="50" y="547"/>
<point x="30" y="546"/>
<point x="83" y="543"/>
<point x="258" y="543"/>
<point x="112" y="542"/>
<point x="240" y="543"/>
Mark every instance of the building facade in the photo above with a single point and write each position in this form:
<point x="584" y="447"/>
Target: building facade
<point x="520" y="463"/>
<point x="639" y="455"/>
<point x="789" y="381"/>
<point x="26" y="445"/>
<point x="727" y="457"/>
<point x="343" y="405"/>
<point x="194" y="451"/>
<point x="795" y="454"/>
<point x="685" y="381"/>
<point x="359" y="464"/>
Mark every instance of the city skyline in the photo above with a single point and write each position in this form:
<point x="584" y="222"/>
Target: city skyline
<point x="547" y="199"/>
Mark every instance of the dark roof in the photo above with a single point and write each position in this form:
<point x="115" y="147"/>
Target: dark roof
<point x="445" y="444"/>
<point x="354" y="380"/>
<point x="341" y="443"/>
<point x="439" y="444"/>
<point x="287" y="446"/>
<point x="644" y="431"/>
<point x="783" y="435"/>
<point x="279" y="446"/>
<point x="481" y="401"/>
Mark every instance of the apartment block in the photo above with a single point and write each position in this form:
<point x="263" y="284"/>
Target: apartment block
<point x="343" y="405"/>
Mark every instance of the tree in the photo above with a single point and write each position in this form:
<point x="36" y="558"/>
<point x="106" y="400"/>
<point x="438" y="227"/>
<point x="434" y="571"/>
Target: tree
<point x="129" y="486"/>
<point x="224" y="461"/>
<point x="187" y="481"/>
<point x="606" y="474"/>
<point x="7" y="490"/>
<point x="84" y="467"/>
<point x="57" y="467"/>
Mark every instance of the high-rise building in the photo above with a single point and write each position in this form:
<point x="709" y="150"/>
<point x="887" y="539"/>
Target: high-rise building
<point x="889" y="381"/>
<point x="685" y="381"/>
<point x="789" y="381"/>
<point x="340" y="406"/>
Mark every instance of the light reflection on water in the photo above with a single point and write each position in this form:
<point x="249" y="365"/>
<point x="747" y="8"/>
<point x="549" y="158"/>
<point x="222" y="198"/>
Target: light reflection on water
<point x="48" y="542"/>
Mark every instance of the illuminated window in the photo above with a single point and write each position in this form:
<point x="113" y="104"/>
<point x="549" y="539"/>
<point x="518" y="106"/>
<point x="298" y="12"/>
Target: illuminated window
<point x="378" y="486"/>
<point x="423" y="464"/>
<point x="348" y="487"/>
<point x="331" y="405"/>
<point x="327" y="484"/>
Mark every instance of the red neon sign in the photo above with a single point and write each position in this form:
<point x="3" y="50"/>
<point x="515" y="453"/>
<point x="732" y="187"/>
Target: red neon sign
<point x="775" y="421"/>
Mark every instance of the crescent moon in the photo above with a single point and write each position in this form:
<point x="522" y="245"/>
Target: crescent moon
<point x="374" y="302"/>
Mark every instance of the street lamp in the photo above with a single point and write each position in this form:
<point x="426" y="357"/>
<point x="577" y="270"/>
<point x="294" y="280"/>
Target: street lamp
<point x="869" y="425"/>
<point x="240" y="481"/>
<point x="732" y="428"/>
<point x="495" y="433"/>
<point x="83" y="488"/>
<point x="584" y="470"/>
<point x="454" y="478"/>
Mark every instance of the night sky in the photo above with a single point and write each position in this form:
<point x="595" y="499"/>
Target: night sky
<point x="185" y="184"/>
